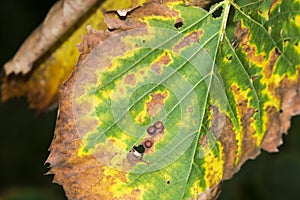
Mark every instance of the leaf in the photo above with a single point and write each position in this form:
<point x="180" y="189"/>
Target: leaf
<point x="217" y="91"/>
<point x="62" y="16"/>
<point x="49" y="54"/>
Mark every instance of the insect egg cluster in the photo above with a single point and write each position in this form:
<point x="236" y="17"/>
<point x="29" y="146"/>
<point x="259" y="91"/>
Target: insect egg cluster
<point x="157" y="128"/>
<point x="151" y="130"/>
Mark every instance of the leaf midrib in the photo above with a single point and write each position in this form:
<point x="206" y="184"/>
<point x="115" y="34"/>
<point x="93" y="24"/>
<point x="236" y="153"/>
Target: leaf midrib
<point x="221" y="32"/>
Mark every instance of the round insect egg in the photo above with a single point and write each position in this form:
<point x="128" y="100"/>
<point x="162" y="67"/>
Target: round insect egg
<point x="159" y="125"/>
<point x="151" y="130"/>
<point x="148" y="144"/>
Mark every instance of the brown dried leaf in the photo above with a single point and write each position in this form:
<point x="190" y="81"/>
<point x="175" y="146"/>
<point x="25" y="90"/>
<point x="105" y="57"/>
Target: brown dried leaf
<point x="62" y="16"/>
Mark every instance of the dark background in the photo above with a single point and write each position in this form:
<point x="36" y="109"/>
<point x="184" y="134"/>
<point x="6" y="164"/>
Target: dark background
<point x="26" y="136"/>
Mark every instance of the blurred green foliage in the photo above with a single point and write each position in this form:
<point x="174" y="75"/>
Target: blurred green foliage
<point x="26" y="136"/>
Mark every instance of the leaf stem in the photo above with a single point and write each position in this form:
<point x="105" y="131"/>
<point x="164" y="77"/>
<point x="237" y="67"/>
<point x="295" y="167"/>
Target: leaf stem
<point x="225" y="18"/>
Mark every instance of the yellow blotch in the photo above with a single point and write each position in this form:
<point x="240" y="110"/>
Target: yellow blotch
<point x="161" y="61"/>
<point x="196" y="189"/>
<point x="156" y="103"/>
<point x="116" y="62"/>
<point x="264" y="13"/>
<point x="118" y="184"/>
<point x="227" y="59"/>
<point x="252" y="56"/>
<point x="121" y="141"/>
<point x="274" y="5"/>
<point x="83" y="151"/>
<point x="297" y="47"/>
<point x="142" y="117"/>
<point x="297" y="20"/>
<point x="153" y="105"/>
<point x="271" y="81"/>
<point x="242" y="102"/>
<point x="213" y="166"/>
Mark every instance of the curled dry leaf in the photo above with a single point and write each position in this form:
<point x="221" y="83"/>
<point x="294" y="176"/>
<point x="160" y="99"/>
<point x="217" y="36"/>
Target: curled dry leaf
<point x="62" y="16"/>
<point x="258" y="79"/>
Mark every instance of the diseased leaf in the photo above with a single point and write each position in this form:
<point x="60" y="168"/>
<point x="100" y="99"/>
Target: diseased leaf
<point x="173" y="102"/>
<point x="49" y="55"/>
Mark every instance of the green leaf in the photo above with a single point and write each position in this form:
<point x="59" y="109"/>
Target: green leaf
<point x="213" y="89"/>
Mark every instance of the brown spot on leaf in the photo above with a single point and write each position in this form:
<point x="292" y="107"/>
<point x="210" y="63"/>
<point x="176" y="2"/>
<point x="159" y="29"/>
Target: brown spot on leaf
<point x="203" y="141"/>
<point x="250" y="51"/>
<point x="130" y="79"/>
<point x="157" y="65"/>
<point x="156" y="103"/>
<point x="240" y="35"/>
<point x="241" y="39"/>
<point x="254" y="78"/>
<point x="274" y="4"/>
<point x="142" y="72"/>
<point x="187" y="41"/>
<point x="229" y="143"/>
<point x="268" y="69"/>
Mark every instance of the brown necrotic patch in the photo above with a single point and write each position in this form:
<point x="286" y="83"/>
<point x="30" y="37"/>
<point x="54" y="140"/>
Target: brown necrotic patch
<point x="130" y="79"/>
<point x="222" y="127"/>
<point x="158" y="64"/>
<point x="156" y="103"/>
<point x="187" y="41"/>
<point x="245" y="114"/>
<point x="90" y="40"/>
<point x="241" y="39"/>
<point x="229" y="143"/>
<point x="269" y="69"/>
<point x="137" y="18"/>
<point x="250" y="51"/>
<point x="240" y="35"/>
<point x="274" y="4"/>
